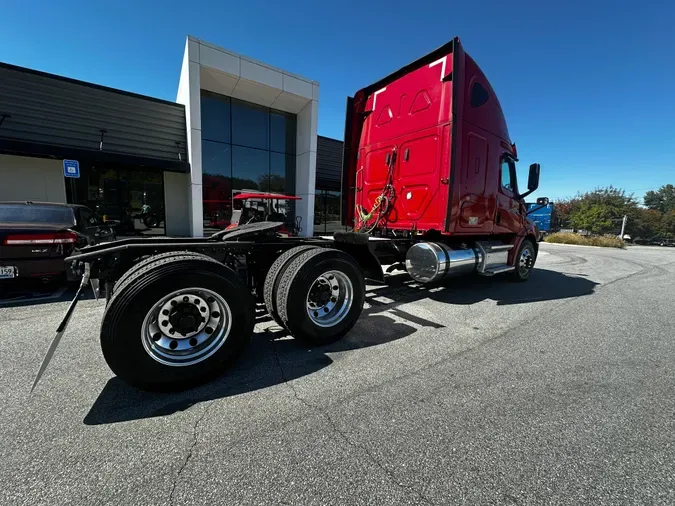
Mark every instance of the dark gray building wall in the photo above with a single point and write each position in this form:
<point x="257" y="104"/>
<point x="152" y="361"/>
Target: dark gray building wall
<point x="328" y="164"/>
<point x="51" y="111"/>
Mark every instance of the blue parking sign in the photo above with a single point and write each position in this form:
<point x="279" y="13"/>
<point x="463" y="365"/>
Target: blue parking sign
<point x="71" y="168"/>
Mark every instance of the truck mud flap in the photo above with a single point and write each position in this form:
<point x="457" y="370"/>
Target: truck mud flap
<point x="62" y="327"/>
<point x="370" y="265"/>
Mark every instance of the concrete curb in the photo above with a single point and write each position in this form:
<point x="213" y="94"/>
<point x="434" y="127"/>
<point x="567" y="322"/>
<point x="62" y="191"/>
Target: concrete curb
<point x="580" y="246"/>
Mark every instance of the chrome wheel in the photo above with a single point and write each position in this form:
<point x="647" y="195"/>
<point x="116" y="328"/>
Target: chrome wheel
<point x="186" y="327"/>
<point x="525" y="262"/>
<point x="330" y="298"/>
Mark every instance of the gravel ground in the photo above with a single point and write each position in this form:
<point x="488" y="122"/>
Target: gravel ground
<point x="560" y="390"/>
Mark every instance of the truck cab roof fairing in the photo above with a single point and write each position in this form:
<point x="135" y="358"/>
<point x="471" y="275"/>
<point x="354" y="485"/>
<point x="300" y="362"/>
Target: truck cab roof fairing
<point x="488" y="115"/>
<point x="468" y="81"/>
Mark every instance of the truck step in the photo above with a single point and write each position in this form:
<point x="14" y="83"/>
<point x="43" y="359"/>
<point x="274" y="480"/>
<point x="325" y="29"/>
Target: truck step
<point x="500" y="247"/>
<point x="498" y="269"/>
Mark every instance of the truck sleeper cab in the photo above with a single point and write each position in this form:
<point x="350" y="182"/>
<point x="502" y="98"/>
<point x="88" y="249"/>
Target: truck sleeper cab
<point x="429" y="186"/>
<point x="428" y="153"/>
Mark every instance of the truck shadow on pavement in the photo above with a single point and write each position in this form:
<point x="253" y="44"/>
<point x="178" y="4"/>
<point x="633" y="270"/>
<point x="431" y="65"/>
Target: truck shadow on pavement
<point x="34" y="297"/>
<point x="543" y="285"/>
<point x="274" y="358"/>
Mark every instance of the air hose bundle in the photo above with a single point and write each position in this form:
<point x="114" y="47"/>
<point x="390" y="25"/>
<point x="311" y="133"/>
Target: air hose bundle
<point x="383" y="202"/>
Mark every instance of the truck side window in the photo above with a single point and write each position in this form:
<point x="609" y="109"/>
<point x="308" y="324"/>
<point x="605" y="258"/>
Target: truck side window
<point x="508" y="174"/>
<point x="479" y="95"/>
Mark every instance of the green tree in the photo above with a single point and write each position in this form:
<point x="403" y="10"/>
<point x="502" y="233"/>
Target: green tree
<point x="563" y="209"/>
<point x="668" y="223"/>
<point x="662" y="199"/>
<point x="601" y="210"/>
<point x="644" y="223"/>
<point x="595" y="218"/>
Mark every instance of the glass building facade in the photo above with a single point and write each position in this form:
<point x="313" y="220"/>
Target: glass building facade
<point x="245" y="147"/>
<point x="131" y="198"/>
<point x="327" y="196"/>
<point x="327" y="218"/>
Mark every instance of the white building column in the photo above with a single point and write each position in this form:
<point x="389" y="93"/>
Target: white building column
<point x="189" y="95"/>
<point x="208" y="67"/>
<point x="305" y="165"/>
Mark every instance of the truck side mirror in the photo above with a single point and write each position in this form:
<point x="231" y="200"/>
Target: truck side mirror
<point x="542" y="201"/>
<point x="533" y="178"/>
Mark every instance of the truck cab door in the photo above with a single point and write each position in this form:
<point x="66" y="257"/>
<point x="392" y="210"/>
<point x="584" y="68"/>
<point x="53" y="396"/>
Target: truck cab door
<point x="509" y="217"/>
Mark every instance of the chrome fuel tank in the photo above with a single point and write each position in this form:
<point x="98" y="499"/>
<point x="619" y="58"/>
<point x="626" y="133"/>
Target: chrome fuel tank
<point x="427" y="262"/>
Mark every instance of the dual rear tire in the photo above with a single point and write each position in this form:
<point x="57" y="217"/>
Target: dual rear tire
<point x="179" y="319"/>
<point x="175" y="321"/>
<point x="317" y="294"/>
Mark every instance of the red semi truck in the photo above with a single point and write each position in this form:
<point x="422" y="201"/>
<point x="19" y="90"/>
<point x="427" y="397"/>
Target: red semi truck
<point x="429" y="186"/>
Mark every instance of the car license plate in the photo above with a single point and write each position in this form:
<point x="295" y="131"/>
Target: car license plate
<point x="7" y="272"/>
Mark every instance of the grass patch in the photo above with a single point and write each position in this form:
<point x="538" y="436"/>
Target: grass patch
<point x="605" y="241"/>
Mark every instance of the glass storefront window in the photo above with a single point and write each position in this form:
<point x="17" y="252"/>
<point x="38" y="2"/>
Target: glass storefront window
<point x="130" y="199"/>
<point x="327" y="218"/>
<point x="255" y="152"/>
<point x="250" y="169"/>
<point x="216" y="185"/>
<point x="281" y="173"/>
<point x="215" y="113"/>
<point x="250" y="125"/>
<point x="282" y="132"/>
<point x="216" y="159"/>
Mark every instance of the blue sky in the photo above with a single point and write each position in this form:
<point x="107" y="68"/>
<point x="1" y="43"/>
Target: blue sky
<point x="586" y="86"/>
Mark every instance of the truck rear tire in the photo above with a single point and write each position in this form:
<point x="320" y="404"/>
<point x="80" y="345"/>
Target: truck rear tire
<point x="147" y="261"/>
<point x="177" y="322"/>
<point x="320" y="295"/>
<point x="274" y="275"/>
<point x="524" y="263"/>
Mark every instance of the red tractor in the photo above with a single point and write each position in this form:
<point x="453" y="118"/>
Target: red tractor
<point x="429" y="187"/>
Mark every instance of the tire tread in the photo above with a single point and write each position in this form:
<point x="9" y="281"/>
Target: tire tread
<point x="297" y="276"/>
<point x="150" y="260"/>
<point x="273" y="277"/>
<point x="139" y="280"/>
<point x="515" y="275"/>
<point x="284" y="289"/>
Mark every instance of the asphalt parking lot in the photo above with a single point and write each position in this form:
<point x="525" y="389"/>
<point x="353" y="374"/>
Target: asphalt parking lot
<point x="557" y="391"/>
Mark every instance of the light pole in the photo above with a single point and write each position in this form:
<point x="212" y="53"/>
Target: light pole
<point x="623" y="225"/>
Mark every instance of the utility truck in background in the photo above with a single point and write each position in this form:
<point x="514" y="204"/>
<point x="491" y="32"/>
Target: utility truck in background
<point x="429" y="187"/>
<point x="544" y="217"/>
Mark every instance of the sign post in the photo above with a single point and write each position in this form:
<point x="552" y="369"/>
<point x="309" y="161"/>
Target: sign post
<point x="71" y="168"/>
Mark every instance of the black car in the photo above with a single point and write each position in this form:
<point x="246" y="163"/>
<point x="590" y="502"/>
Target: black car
<point x="662" y="241"/>
<point x="35" y="237"/>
